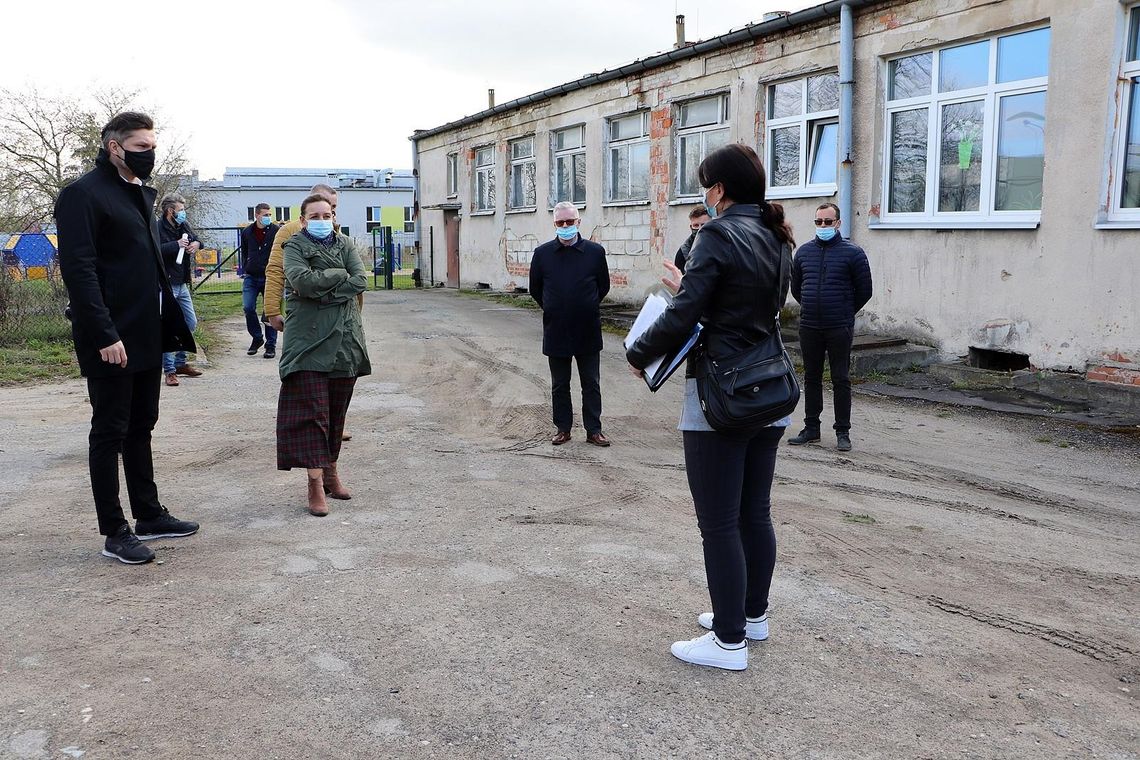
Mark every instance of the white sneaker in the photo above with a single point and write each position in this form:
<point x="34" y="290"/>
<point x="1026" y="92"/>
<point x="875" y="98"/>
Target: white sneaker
<point x="754" y="629"/>
<point x="708" y="650"/>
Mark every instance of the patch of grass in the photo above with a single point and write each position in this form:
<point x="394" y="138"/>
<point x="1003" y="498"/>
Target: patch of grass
<point x="518" y="300"/>
<point x="211" y="309"/>
<point x="915" y="528"/>
<point x="859" y="519"/>
<point x="1063" y="444"/>
<point x="1043" y="439"/>
<point x="37" y="361"/>
<point x="944" y="415"/>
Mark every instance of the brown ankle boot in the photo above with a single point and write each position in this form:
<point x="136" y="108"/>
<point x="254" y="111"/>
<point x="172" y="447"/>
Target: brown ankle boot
<point x="317" y="505"/>
<point x="333" y="486"/>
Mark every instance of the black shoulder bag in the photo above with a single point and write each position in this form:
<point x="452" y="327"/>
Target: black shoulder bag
<point x="752" y="388"/>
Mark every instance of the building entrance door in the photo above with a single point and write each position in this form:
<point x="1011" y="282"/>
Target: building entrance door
<point x="451" y="228"/>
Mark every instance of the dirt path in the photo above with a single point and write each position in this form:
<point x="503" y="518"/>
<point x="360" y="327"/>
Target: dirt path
<point x="952" y="588"/>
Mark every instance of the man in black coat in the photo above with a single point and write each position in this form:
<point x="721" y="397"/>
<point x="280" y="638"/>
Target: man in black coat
<point x="256" y="245"/>
<point x="569" y="278"/>
<point x="123" y="316"/>
<point x="831" y="279"/>
<point x="698" y="217"/>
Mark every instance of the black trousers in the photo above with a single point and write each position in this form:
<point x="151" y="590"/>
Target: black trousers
<point x="836" y="344"/>
<point x="589" y="374"/>
<point x="730" y="478"/>
<point x="124" y="410"/>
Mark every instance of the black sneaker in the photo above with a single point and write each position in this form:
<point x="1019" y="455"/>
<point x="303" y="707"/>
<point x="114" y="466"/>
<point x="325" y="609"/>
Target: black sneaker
<point x="843" y="441"/>
<point x="270" y="352"/>
<point x="807" y="435"/>
<point x="126" y="547"/>
<point x="165" y="525"/>
<point x="257" y="343"/>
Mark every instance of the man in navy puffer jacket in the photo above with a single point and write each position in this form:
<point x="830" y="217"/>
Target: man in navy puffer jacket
<point x="832" y="281"/>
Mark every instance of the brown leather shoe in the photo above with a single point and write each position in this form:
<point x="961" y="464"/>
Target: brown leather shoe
<point x="333" y="486"/>
<point x="318" y="507"/>
<point x="171" y="379"/>
<point x="598" y="439"/>
<point x="560" y="438"/>
<point x="188" y="371"/>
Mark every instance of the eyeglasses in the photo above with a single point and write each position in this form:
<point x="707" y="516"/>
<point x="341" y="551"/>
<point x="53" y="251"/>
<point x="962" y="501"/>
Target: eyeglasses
<point x="565" y="222"/>
<point x="826" y="222"/>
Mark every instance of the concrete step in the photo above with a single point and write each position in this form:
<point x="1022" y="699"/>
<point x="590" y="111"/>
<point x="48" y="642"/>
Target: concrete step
<point x="872" y="354"/>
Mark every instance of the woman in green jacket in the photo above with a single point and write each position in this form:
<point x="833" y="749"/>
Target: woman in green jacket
<point x="324" y="350"/>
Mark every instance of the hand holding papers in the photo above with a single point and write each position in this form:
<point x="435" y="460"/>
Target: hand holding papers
<point x="660" y="369"/>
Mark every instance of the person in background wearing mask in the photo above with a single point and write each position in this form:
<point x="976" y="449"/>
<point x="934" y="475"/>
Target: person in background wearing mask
<point x="177" y="239"/>
<point x="123" y="315"/>
<point x="324" y="351"/>
<point x="831" y="279"/>
<point x="569" y="278"/>
<point x="698" y="217"/>
<point x="256" y="243"/>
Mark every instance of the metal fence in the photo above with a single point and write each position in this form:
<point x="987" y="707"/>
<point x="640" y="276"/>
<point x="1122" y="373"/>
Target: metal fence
<point x="393" y="264"/>
<point x="217" y="266"/>
<point x="32" y="305"/>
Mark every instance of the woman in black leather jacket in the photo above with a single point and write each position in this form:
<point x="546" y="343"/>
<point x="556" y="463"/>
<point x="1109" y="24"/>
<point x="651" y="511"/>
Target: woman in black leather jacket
<point x="731" y="281"/>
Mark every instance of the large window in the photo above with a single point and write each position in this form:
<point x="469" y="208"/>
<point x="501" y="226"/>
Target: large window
<point x="485" y="178"/>
<point x="965" y="133"/>
<point x="702" y="127"/>
<point x="373" y="218"/>
<point x="627" y="158"/>
<point x="803" y="136"/>
<point x="452" y="175"/>
<point x="568" y="167"/>
<point x="1126" y="178"/>
<point x="521" y="179"/>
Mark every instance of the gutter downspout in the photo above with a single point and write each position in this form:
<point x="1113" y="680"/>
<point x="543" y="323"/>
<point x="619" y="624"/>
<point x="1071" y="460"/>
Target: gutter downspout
<point x="846" y="115"/>
<point x="416" y="206"/>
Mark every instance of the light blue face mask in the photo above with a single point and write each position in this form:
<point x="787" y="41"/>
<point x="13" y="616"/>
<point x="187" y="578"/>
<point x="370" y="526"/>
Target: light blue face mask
<point x="708" y="208"/>
<point x="320" y="228"/>
<point x="180" y="217"/>
<point x="567" y="233"/>
<point x="266" y="220"/>
<point x="825" y="233"/>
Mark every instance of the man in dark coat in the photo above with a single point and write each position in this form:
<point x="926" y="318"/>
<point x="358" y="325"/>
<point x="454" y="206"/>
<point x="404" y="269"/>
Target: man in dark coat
<point x="831" y="279"/>
<point x="123" y="316"/>
<point x="698" y="217"/>
<point x="178" y="245"/>
<point x="569" y="278"/>
<point x="256" y="244"/>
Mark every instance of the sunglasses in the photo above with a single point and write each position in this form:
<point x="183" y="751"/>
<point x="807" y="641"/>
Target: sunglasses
<point x="565" y="222"/>
<point x="826" y="222"/>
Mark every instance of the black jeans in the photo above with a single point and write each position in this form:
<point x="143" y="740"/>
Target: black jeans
<point x="730" y="478"/>
<point x="124" y="410"/>
<point x="589" y="373"/>
<point x="836" y="343"/>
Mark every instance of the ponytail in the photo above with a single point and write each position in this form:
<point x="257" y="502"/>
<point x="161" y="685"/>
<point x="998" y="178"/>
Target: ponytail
<point x="773" y="216"/>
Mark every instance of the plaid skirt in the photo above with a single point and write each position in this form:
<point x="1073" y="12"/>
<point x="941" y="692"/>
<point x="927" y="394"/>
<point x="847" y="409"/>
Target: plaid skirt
<point x="310" y="419"/>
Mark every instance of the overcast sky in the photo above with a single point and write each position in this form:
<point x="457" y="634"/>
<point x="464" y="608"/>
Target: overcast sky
<point x="336" y="83"/>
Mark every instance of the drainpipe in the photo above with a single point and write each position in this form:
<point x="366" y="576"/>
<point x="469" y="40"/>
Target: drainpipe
<point x="846" y="115"/>
<point x="415" y="205"/>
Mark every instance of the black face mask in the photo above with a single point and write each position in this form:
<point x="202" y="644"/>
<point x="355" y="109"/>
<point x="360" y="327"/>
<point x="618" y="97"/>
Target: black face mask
<point x="140" y="162"/>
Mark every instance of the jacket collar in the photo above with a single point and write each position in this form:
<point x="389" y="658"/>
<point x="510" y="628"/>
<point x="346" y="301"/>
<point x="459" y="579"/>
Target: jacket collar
<point x="576" y="245"/>
<point x="741" y="209"/>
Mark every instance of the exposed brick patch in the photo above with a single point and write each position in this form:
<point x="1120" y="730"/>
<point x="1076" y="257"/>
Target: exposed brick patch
<point x="1116" y="356"/>
<point x="518" y="270"/>
<point x="619" y="279"/>
<point x="1105" y="374"/>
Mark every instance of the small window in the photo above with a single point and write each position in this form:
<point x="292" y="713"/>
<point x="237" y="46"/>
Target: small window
<point x="568" y="166"/>
<point x="409" y="219"/>
<point x="627" y="158"/>
<point x="344" y="231"/>
<point x="803" y="136"/>
<point x="281" y="213"/>
<point x="484" y="178"/>
<point x="251" y="213"/>
<point x="373" y="216"/>
<point x="521" y="179"/>
<point x="452" y="175"/>
<point x="966" y="132"/>
<point x="1126" y="174"/>
<point x="702" y="128"/>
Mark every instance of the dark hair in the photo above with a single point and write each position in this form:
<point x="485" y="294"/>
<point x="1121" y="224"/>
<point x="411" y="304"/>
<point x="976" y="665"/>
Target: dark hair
<point x="261" y="206"/>
<point x="314" y="198"/>
<point x="831" y="206"/>
<point x="122" y="124"/>
<point x="698" y="212"/>
<point x="738" y="168"/>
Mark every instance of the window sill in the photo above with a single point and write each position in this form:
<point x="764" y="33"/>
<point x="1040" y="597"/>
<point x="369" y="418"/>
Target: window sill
<point x="527" y="210"/>
<point x="781" y="193"/>
<point x="1121" y="223"/>
<point x="619" y="204"/>
<point x="686" y="201"/>
<point x="455" y="195"/>
<point x="955" y="224"/>
<point x="490" y="212"/>
<point x="578" y="206"/>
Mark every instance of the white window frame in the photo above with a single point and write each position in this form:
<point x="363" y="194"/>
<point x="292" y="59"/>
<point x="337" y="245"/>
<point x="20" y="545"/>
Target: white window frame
<point x="990" y="95"/>
<point x="625" y="144"/>
<point x="808" y="122"/>
<point x="1118" y="215"/>
<point x="372" y="218"/>
<point x="282" y="213"/>
<point x="409" y="219"/>
<point x="517" y="164"/>
<point x="724" y="122"/>
<point x="483" y="170"/>
<point x="567" y="153"/>
<point x="452" y="175"/>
